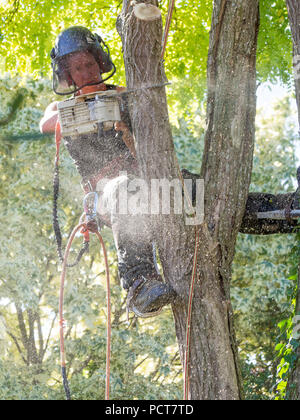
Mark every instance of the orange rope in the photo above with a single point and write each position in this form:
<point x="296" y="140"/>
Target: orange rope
<point x="108" y="329"/>
<point x="85" y="232"/>
<point x="190" y="301"/>
<point x="188" y="322"/>
<point x="167" y="27"/>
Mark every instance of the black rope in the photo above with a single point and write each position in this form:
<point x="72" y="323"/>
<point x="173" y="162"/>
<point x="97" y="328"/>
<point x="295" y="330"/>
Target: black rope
<point x="65" y="382"/>
<point x="56" y="227"/>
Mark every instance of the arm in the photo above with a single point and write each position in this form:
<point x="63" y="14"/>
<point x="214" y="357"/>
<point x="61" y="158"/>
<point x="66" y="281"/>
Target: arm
<point x="48" y="122"/>
<point x="127" y="136"/>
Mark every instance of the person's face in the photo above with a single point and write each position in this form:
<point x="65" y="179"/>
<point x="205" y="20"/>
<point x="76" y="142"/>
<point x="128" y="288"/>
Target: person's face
<point x="83" y="68"/>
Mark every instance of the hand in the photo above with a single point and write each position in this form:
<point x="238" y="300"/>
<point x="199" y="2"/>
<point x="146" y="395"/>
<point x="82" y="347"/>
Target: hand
<point x="127" y="136"/>
<point x="120" y="89"/>
<point x="122" y="126"/>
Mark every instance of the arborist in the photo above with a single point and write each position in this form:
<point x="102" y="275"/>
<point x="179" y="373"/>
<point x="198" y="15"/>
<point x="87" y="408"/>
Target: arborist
<point x="79" y="61"/>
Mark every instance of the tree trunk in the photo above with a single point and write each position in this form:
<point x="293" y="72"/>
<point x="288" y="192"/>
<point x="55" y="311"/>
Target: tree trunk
<point x="226" y="170"/>
<point x="293" y="7"/>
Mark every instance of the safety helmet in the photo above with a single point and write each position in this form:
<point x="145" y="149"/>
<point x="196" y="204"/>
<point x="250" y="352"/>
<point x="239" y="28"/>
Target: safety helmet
<point x="72" y="40"/>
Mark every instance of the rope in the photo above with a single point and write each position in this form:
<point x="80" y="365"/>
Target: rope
<point x="188" y="321"/>
<point x="108" y="321"/>
<point x="85" y="231"/>
<point x="167" y="27"/>
<point x="191" y="291"/>
<point x="186" y="378"/>
<point x="56" y="228"/>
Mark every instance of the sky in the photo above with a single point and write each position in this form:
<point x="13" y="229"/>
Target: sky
<point x="267" y="94"/>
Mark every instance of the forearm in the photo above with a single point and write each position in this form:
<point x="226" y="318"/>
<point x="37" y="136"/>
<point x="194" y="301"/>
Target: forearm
<point x="48" y="122"/>
<point x="127" y="136"/>
<point x="129" y="141"/>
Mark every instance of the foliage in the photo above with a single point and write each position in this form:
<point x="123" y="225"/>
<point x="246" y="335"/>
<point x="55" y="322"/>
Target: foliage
<point x="28" y="31"/>
<point x="29" y="284"/>
<point x="274" y="58"/>
<point x="287" y="344"/>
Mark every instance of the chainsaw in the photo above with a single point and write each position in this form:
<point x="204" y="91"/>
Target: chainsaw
<point x="82" y="114"/>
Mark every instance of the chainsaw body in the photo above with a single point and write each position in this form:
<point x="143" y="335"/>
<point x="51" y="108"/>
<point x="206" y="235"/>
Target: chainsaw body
<point x="81" y="114"/>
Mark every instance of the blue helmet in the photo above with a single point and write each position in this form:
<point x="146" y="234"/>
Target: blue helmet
<point x="71" y="40"/>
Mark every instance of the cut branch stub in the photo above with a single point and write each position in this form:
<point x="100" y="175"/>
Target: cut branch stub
<point x="145" y="11"/>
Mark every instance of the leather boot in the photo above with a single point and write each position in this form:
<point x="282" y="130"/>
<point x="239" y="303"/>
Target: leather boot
<point x="148" y="295"/>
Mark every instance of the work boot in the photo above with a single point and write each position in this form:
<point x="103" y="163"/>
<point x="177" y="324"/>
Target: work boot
<point x="148" y="295"/>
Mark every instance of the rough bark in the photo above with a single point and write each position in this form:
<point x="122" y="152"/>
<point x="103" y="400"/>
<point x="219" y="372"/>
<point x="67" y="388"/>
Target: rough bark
<point x="293" y="7"/>
<point x="226" y="169"/>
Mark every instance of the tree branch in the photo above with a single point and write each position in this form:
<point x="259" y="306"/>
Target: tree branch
<point x="48" y="338"/>
<point x="22" y="327"/>
<point x="14" y="338"/>
<point x="15" y="105"/>
<point x="33" y="357"/>
<point x="261" y="202"/>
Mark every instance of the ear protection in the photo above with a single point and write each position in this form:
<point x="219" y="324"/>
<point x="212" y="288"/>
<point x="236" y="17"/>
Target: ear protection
<point x="66" y="44"/>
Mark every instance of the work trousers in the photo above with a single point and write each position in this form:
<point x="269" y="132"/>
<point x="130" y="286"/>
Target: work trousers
<point x="121" y="208"/>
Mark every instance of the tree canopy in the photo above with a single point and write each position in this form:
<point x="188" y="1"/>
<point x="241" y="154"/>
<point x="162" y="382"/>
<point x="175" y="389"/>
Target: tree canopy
<point x="28" y="31"/>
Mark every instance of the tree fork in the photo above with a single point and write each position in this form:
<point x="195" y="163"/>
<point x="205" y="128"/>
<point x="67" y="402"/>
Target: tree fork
<point x="214" y="371"/>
